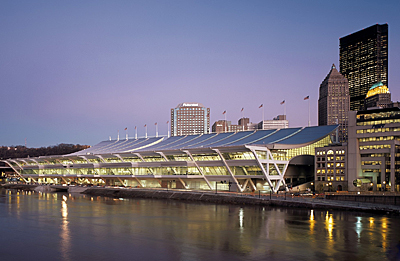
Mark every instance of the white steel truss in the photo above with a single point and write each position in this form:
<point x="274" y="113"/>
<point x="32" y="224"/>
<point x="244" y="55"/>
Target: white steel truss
<point x="279" y="178"/>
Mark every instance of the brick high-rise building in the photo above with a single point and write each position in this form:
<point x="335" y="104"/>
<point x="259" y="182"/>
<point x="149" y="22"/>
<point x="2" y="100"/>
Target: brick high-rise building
<point x="364" y="61"/>
<point x="334" y="102"/>
<point x="190" y="118"/>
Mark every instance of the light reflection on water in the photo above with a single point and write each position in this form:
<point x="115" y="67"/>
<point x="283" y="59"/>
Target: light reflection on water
<point x="53" y="226"/>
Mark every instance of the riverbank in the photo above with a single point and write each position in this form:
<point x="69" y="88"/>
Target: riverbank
<point x="233" y="198"/>
<point x="245" y="199"/>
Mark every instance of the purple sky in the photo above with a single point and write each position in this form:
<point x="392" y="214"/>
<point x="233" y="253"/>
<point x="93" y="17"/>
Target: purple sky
<point x="78" y="71"/>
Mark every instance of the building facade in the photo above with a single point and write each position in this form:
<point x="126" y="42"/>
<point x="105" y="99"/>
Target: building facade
<point x="334" y="102"/>
<point x="330" y="168"/>
<point x="364" y="61"/>
<point x="374" y="150"/>
<point x="190" y="118"/>
<point x="244" y="124"/>
<point x="227" y="126"/>
<point x="279" y="122"/>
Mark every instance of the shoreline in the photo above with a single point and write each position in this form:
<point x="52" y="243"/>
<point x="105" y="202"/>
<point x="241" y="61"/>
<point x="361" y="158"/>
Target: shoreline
<point x="232" y="199"/>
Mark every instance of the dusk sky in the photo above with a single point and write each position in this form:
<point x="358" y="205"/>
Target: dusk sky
<point x="79" y="71"/>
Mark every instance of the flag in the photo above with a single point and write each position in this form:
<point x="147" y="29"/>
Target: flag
<point x="282" y="102"/>
<point x="135" y="127"/>
<point x="155" y="123"/>
<point x="126" y="128"/>
<point x="307" y="97"/>
<point x="224" y="112"/>
<point x="261" y="106"/>
<point x="145" y="125"/>
<point x="242" y="109"/>
<point x="167" y="122"/>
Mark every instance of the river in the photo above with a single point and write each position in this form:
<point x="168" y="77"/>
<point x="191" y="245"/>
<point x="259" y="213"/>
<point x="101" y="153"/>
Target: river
<point x="61" y="226"/>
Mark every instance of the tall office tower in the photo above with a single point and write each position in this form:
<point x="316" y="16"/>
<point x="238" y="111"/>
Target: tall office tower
<point x="364" y="61"/>
<point x="334" y="102"/>
<point x="190" y="118"/>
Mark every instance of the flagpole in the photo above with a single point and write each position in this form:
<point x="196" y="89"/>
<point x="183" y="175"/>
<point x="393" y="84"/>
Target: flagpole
<point x="263" y="118"/>
<point x="146" y="130"/>
<point x="135" y="132"/>
<point x="126" y="133"/>
<point x="118" y="136"/>
<point x="242" y="119"/>
<point x="284" y="110"/>
<point x="226" y="124"/>
<point x="262" y="106"/>
<point x="156" y="130"/>
<point x="309" y="113"/>
<point x="168" y="128"/>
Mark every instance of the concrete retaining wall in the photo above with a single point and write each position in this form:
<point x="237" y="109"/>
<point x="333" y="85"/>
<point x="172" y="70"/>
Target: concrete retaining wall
<point x="230" y="199"/>
<point x="379" y="199"/>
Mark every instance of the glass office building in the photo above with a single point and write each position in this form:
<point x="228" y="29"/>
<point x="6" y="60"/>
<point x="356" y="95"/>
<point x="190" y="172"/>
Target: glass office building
<point x="364" y="61"/>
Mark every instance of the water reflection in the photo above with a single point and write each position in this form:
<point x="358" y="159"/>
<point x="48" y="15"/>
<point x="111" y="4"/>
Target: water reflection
<point x="65" y="243"/>
<point x="75" y="227"/>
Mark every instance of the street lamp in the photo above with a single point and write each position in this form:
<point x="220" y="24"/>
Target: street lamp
<point x="384" y="185"/>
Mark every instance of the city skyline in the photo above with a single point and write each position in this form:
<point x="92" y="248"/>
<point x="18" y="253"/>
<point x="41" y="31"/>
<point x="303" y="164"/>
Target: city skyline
<point x="79" y="72"/>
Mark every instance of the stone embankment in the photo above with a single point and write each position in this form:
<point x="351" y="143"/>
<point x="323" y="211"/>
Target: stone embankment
<point x="232" y="198"/>
<point x="20" y="186"/>
<point x="228" y="198"/>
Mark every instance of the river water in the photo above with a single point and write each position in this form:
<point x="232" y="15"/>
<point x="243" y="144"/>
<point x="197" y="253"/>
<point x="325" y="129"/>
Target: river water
<point x="60" y="226"/>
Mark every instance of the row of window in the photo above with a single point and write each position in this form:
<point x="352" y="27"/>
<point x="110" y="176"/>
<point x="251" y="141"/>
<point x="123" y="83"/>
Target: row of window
<point x="330" y="165"/>
<point x="377" y="130"/>
<point x="217" y="170"/>
<point x="330" y="178"/>
<point x="375" y="147"/>
<point x="323" y="171"/>
<point x="330" y="152"/>
<point x="379" y="116"/>
<point x="377" y="138"/>
<point x="338" y="158"/>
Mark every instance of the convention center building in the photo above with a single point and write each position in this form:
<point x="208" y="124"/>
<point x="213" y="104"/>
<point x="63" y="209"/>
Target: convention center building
<point x="260" y="160"/>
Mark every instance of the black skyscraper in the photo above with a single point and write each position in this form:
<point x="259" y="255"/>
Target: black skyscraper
<point x="364" y="61"/>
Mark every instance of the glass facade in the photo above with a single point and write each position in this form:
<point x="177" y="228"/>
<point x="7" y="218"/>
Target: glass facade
<point x="364" y="61"/>
<point x="239" y="167"/>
